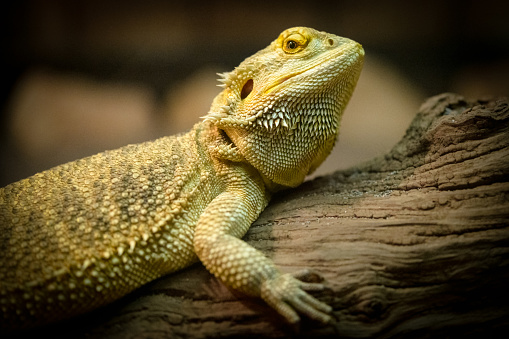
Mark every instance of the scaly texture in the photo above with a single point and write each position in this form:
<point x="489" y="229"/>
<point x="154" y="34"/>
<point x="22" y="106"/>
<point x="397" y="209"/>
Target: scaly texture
<point x="83" y="234"/>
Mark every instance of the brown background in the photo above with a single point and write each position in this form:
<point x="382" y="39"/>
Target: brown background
<point x="84" y="76"/>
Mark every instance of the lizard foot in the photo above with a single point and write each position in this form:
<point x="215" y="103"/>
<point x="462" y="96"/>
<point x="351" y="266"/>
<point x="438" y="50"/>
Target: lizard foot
<point x="288" y="296"/>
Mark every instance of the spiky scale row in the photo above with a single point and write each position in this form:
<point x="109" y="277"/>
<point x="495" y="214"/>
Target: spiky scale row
<point x="85" y="233"/>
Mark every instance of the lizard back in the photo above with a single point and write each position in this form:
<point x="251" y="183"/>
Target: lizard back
<point x="102" y="225"/>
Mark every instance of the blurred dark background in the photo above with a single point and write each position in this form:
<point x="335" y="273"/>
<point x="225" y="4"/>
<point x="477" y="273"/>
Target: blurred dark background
<point x="81" y="76"/>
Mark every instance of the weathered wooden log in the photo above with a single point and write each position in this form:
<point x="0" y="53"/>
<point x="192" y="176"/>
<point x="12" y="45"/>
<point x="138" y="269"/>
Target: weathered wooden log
<point x="412" y="244"/>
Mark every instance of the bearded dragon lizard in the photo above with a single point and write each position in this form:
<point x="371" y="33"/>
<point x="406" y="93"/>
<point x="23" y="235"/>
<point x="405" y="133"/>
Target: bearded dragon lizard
<point x="85" y="233"/>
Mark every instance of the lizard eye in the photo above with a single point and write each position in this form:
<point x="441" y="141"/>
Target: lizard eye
<point x="290" y="44"/>
<point x="294" y="43"/>
<point x="246" y="89"/>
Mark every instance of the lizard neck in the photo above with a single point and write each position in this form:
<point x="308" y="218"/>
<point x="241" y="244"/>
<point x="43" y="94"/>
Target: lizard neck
<point x="224" y="153"/>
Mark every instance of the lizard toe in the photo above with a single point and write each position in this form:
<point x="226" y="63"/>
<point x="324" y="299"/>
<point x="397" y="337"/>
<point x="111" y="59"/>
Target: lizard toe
<point x="288" y="296"/>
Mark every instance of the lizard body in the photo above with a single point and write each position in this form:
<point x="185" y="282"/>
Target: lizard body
<point x="85" y="233"/>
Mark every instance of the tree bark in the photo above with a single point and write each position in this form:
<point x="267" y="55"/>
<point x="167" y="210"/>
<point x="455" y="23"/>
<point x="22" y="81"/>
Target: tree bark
<point x="411" y="244"/>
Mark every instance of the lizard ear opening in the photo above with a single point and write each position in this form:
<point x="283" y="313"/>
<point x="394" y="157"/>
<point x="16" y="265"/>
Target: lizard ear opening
<point x="248" y="87"/>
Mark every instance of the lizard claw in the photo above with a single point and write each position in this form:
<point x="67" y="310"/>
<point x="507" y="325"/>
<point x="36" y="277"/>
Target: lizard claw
<point x="288" y="297"/>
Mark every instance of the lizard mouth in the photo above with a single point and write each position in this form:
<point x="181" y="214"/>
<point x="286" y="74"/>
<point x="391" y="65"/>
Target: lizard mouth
<point x="323" y="63"/>
<point x="281" y="80"/>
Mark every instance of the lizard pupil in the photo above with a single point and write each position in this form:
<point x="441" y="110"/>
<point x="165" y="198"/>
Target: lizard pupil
<point x="246" y="89"/>
<point x="291" y="44"/>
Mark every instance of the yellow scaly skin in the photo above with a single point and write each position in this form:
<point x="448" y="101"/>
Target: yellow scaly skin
<point x="83" y="234"/>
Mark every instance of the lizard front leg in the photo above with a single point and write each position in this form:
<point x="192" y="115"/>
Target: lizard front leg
<point x="240" y="266"/>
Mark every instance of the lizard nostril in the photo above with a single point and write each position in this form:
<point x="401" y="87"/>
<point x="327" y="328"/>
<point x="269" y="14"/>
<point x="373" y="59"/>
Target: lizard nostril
<point x="248" y="87"/>
<point x="330" y="41"/>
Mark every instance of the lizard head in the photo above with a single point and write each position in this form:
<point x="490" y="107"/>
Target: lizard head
<point x="281" y="107"/>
